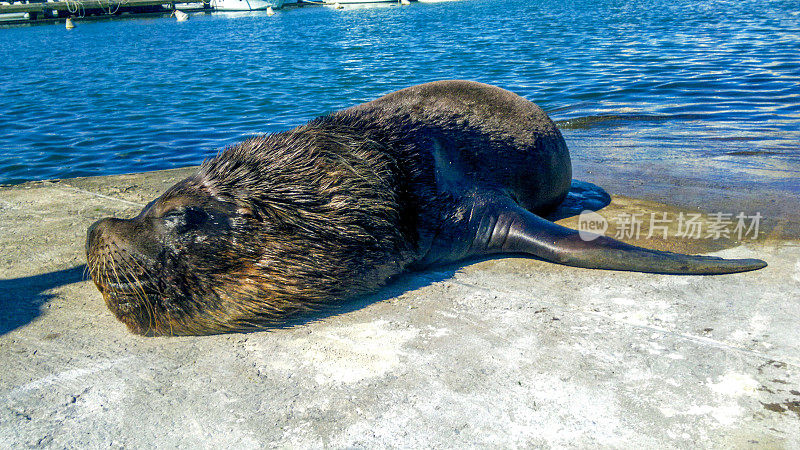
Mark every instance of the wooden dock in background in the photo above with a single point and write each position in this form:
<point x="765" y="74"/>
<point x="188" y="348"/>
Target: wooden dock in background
<point x="79" y="8"/>
<point x="40" y="11"/>
<point x="16" y="12"/>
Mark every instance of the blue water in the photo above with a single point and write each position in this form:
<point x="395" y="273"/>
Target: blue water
<point x="703" y="89"/>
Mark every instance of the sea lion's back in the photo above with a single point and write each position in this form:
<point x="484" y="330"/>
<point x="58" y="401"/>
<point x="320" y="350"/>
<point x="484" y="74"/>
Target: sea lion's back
<point x="479" y="134"/>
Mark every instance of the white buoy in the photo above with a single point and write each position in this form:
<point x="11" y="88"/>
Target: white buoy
<point x="405" y="2"/>
<point x="181" y="16"/>
<point x="270" y="11"/>
<point x="338" y="5"/>
<point x="69" y="24"/>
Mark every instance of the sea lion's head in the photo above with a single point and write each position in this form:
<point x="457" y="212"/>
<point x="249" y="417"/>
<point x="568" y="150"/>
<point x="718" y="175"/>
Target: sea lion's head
<point x="273" y="226"/>
<point x="170" y="269"/>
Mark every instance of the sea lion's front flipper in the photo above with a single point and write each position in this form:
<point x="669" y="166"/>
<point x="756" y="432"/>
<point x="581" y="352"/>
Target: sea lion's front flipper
<point x="501" y="226"/>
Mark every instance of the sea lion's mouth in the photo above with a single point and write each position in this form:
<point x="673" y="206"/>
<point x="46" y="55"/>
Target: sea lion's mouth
<point x="121" y="285"/>
<point x="124" y="292"/>
<point x="120" y="275"/>
<point x="130" y="306"/>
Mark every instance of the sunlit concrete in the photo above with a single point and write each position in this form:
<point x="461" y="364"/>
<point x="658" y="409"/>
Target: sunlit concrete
<point x="506" y="352"/>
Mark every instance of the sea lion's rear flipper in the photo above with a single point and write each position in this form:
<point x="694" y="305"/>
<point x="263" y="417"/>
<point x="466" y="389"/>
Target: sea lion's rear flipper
<point x="505" y="227"/>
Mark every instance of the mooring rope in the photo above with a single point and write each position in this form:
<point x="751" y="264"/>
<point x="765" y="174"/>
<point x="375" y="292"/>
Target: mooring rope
<point x="108" y="5"/>
<point x="78" y="7"/>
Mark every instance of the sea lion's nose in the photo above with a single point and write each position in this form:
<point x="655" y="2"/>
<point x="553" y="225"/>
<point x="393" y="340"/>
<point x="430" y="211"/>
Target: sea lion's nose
<point x="98" y="232"/>
<point x="93" y="234"/>
<point x="126" y="236"/>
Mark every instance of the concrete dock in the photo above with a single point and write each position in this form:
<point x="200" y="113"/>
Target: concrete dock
<point x="503" y="352"/>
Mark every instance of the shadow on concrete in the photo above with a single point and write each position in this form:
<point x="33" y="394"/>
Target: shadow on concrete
<point x="396" y="287"/>
<point x="582" y="195"/>
<point x="21" y="299"/>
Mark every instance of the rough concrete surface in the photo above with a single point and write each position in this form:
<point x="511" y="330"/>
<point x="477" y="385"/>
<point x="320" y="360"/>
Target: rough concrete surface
<point x="504" y="352"/>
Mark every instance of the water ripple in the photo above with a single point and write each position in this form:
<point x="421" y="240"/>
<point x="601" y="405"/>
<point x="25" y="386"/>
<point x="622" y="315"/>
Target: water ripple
<point x="663" y="80"/>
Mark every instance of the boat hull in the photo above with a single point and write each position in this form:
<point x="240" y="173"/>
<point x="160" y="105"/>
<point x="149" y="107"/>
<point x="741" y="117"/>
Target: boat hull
<point x="245" y="5"/>
<point x="357" y="2"/>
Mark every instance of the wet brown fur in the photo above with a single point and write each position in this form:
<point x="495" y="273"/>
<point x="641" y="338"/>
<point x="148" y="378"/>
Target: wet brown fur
<point x="316" y="218"/>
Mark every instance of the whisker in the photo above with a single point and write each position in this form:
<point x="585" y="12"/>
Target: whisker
<point x="141" y="294"/>
<point x="149" y="305"/>
<point x="152" y="321"/>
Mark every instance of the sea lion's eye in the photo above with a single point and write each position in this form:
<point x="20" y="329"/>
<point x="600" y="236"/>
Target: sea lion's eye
<point x="185" y="219"/>
<point x="194" y="217"/>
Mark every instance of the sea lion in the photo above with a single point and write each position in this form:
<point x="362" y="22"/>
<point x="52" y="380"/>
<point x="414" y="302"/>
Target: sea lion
<point x="294" y="221"/>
